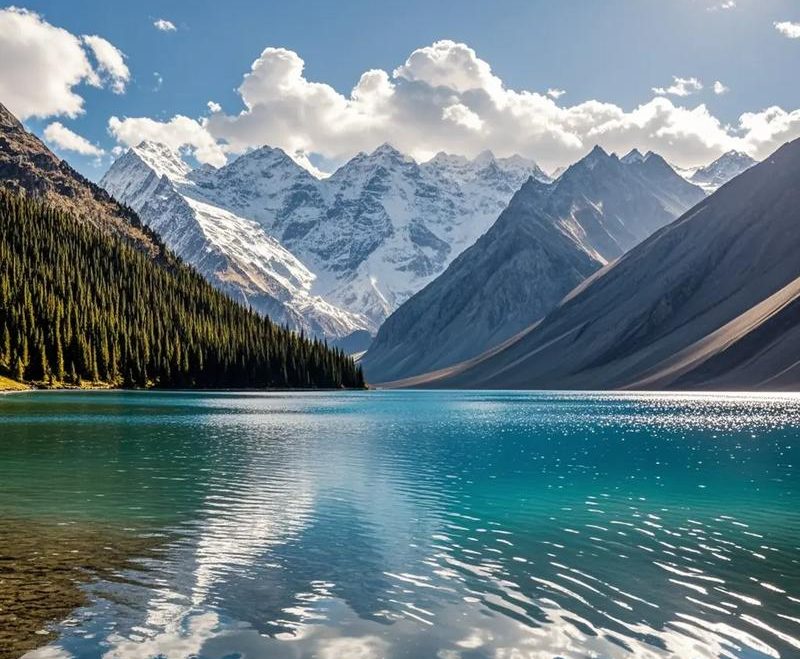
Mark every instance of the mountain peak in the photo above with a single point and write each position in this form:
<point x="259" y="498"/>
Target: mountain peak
<point x="264" y="156"/>
<point x="387" y="149"/>
<point x="484" y="158"/>
<point x="267" y="151"/>
<point x="443" y="158"/>
<point x="596" y="155"/>
<point x="517" y="160"/>
<point x="634" y="155"/>
<point x="733" y="153"/>
<point x="162" y="159"/>
<point x="8" y="120"/>
<point x="723" y="169"/>
<point x="653" y="158"/>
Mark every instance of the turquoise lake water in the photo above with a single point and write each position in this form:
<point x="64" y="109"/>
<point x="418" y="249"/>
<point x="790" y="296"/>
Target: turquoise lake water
<point x="421" y="524"/>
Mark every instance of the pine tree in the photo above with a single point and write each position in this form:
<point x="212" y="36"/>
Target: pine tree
<point x="73" y="295"/>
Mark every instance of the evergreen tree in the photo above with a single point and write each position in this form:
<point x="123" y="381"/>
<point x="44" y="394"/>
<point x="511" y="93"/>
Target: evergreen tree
<point x="71" y="294"/>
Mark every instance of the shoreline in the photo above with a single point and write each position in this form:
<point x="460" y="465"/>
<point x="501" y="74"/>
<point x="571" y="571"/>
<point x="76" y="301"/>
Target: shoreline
<point x="28" y="390"/>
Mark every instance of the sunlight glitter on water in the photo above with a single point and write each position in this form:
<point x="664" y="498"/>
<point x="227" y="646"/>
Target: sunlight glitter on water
<point x="441" y="524"/>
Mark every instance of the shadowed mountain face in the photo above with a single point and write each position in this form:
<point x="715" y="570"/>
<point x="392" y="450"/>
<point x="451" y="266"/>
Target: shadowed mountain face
<point x="711" y="301"/>
<point x="549" y="239"/>
<point x="28" y="166"/>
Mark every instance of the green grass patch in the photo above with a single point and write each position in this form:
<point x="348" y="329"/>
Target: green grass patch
<point x="7" y="384"/>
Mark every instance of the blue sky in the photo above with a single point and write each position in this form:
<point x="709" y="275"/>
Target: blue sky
<point x="614" y="51"/>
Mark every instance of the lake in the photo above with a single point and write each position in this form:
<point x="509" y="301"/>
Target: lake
<point x="399" y="524"/>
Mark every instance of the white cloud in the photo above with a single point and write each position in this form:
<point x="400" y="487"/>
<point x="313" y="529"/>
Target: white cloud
<point x="179" y="133"/>
<point x="110" y="62"/>
<point x="460" y="114"/>
<point x="453" y="66"/>
<point x="445" y="98"/>
<point x="164" y="25"/>
<point x="63" y="138"/>
<point x="158" y="81"/>
<point x="213" y="106"/>
<point x="722" y="6"/>
<point x="680" y="87"/>
<point x="766" y="130"/>
<point x="719" y="88"/>
<point x="39" y="66"/>
<point x="556" y="93"/>
<point x="788" y="29"/>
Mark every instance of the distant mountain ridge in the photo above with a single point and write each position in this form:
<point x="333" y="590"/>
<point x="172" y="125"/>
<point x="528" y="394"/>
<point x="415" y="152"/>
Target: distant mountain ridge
<point x="549" y="239"/>
<point x="710" y="301"/>
<point x="354" y="246"/>
<point x="725" y="168"/>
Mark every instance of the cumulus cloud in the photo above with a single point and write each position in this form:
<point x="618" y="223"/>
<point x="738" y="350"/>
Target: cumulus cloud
<point x="680" y="87"/>
<point x="41" y="65"/>
<point x="110" y="62"/>
<point x="788" y="29"/>
<point x="164" y="25"/>
<point x="213" y="106"/>
<point x="460" y="114"/>
<point x="63" y="138"/>
<point x="768" y="129"/>
<point x="445" y="98"/>
<point x="719" y="88"/>
<point x="556" y="93"/>
<point x="180" y="133"/>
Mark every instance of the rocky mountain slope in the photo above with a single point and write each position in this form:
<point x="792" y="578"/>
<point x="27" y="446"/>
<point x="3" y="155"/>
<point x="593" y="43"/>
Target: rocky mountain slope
<point x="550" y="238"/>
<point x="709" y="301"/>
<point x="366" y="238"/>
<point x="28" y="166"/>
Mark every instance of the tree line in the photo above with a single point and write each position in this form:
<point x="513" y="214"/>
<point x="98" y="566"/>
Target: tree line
<point x="78" y="306"/>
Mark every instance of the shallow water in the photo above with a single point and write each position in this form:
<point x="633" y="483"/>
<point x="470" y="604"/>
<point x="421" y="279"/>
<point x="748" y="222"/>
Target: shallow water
<point x="418" y="524"/>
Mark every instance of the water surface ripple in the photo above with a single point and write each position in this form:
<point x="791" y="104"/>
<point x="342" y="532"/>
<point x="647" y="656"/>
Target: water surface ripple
<point x="420" y="524"/>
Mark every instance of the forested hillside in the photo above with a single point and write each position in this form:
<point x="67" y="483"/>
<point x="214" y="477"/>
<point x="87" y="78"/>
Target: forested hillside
<point x="28" y="166"/>
<point x="78" y="305"/>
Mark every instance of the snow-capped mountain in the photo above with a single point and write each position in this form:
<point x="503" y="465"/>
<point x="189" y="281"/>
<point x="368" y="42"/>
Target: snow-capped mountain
<point x="393" y="225"/>
<point x="231" y="251"/>
<point x="711" y="301"/>
<point x="722" y="170"/>
<point x="367" y="238"/>
<point x="548" y="239"/>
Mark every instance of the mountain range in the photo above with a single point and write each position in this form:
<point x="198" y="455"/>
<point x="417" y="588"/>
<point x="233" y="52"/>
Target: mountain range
<point x="91" y="295"/>
<point x="549" y="239"/>
<point x="710" y="301"/>
<point x="582" y="281"/>
<point x="332" y="257"/>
